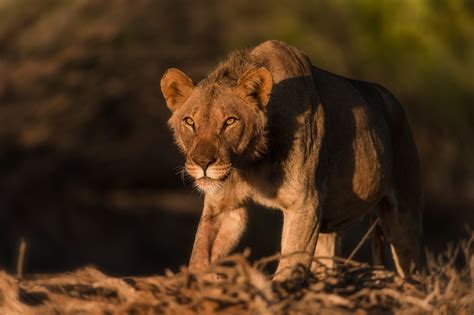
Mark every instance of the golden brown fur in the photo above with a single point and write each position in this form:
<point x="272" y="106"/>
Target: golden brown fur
<point x="268" y="126"/>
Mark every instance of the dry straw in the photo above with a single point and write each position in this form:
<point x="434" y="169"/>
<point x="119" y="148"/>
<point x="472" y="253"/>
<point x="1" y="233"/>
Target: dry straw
<point x="235" y="286"/>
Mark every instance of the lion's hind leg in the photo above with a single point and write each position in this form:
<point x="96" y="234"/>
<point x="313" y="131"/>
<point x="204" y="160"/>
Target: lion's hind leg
<point x="377" y="244"/>
<point x="329" y="245"/>
<point x="401" y="209"/>
<point x="402" y="228"/>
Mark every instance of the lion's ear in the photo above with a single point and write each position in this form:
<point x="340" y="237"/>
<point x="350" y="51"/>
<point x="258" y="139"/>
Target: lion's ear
<point x="176" y="88"/>
<point x="257" y="84"/>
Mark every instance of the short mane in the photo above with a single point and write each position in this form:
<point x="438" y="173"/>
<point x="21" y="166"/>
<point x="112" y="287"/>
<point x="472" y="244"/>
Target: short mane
<point x="231" y="69"/>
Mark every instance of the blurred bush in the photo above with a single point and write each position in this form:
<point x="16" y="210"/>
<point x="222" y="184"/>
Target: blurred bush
<point x="82" y="118"/>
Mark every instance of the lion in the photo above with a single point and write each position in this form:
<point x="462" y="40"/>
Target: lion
<point x="268" y="126"/>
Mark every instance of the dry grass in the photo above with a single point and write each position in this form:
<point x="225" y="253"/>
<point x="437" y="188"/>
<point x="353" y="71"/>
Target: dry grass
<point x="242" y="288"/>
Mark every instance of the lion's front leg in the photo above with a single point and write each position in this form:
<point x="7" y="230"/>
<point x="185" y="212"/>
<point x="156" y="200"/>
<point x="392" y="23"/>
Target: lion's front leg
<point x="300" y="234"/>
<point x="219" y="232"/>
<point x="205" y="235"/>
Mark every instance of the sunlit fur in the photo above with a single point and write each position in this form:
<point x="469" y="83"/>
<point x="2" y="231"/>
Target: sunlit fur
<point x="209" y="105"/>
<point x="326" y="150"/>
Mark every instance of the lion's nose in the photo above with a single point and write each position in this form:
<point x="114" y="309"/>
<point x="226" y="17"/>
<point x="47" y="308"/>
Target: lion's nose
<point x="204" y="162"/>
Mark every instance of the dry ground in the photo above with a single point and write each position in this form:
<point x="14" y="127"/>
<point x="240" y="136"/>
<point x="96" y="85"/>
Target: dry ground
<point x="445" y="287"/>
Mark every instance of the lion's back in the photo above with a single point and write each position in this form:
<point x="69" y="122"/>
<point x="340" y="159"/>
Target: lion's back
<point x="282" y="60"/>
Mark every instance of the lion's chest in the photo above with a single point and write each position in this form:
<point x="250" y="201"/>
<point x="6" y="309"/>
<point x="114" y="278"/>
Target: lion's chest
<point x="271" y="188"/>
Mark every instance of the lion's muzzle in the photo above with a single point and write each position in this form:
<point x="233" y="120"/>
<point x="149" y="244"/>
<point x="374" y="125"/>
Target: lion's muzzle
<point x="210" y="179"/>
<point x="210" y="171"/>
<point x="205" y="164"/>
<point x="209" y="176"/>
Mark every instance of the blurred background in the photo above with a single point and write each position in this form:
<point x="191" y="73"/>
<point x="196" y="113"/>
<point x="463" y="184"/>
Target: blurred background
<point x="88" y="168"/>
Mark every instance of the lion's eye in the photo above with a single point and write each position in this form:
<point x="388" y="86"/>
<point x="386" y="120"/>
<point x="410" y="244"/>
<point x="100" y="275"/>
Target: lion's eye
<point x="189" y="121"/>
<point x="230" y="121"/>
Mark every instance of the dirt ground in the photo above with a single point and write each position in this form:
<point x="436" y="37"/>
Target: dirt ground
<point x="234" y="286"/>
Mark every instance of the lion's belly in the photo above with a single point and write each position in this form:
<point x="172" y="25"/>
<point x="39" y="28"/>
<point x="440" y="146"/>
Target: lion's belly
<point x="358" y="176"/>
<point x="339" y="215"/>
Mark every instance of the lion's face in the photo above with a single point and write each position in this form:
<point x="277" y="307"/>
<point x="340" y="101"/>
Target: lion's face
<point x="217" y="127"/>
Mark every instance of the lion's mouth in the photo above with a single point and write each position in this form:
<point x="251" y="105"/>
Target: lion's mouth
<point x="208" y="184"/>
<point x="211" y="179"/>
<point x="213" y="172"/>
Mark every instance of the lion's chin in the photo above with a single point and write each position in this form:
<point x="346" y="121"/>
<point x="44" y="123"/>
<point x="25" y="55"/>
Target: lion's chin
<point x="209" y="185"/>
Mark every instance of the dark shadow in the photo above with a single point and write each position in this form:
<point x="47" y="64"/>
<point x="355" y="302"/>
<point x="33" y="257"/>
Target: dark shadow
<point x="336" y="152"/>
<point x="282" y="125"/>
<point x="263" y="234"/>
<point x="32" y="298"/>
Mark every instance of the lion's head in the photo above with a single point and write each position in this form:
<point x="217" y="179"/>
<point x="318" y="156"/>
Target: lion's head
<point x="219" y="123"/>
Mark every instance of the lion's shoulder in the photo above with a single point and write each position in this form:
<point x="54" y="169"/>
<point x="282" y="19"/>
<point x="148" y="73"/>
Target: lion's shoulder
<point x="282" y="60"/>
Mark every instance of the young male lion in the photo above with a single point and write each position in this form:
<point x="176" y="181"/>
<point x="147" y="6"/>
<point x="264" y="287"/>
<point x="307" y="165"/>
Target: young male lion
<point x="268" y="126"/>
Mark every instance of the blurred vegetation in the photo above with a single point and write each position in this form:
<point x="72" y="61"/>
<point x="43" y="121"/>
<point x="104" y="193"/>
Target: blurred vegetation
<point x="81" y="114"/>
